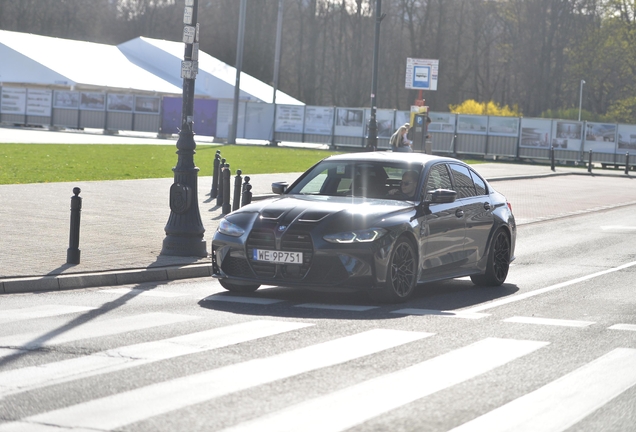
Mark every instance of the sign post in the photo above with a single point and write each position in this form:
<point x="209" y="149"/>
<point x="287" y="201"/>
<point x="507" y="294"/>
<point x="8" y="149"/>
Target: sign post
<point x="184" y="230"/>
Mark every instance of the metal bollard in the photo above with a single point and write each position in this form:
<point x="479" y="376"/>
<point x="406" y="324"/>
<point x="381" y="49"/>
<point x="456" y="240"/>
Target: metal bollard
<point x="552" y="158"/>
<point x="236" y="202"/>
<point x="627" y="163"/>
<point x="219" y="195"/>
<point x="226" y="190"/>
<point x="247" y="192"/>
<point x="73" y="253"/>
<point x="589" y="163"/>
<point x="215" y="175"/>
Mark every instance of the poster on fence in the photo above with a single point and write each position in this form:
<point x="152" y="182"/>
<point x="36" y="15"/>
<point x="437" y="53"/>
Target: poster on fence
<point x="384" y="120"/>
<point x="472" y="124"/>
<point x="442" y="122"/>
<point x="93" y="101"/>
<point x="503" y="126"/>
<point x="13" y="100"/>
<point x="147" y="104"/>
<point x="349" y="122"/>
<point x="39" y="102"/>
<point x="567" y="135"/>
<point x="401" y="117"/>
<point x="66" y="99"/>
<point x="120" y="102"/>
<point x="626" y="138"/>
<point x="290" y="118"/>
<point x="535" y="133"/>
<point x="600" y="137"/>
<point x="319" y="120"/>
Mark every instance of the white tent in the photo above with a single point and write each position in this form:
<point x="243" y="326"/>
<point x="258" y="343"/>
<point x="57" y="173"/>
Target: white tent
<point x="141" y="64"/>
<point x="29" y="59"/>
<point x="215" y="79"/>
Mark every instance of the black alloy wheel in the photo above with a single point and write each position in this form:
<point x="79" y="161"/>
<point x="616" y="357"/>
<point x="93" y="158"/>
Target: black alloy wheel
<point x="402" y="274"/>
<point x="498" y="261"/>
<point x="237" y="287"/>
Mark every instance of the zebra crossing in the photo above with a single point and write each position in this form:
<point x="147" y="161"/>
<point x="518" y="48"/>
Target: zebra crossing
<point x="552" y="406"/>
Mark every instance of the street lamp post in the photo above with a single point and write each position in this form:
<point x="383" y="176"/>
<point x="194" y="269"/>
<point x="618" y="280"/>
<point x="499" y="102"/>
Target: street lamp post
<point x="184" y="230"/>
<point x="372" y="138"/>
<point x="581" y="98"/>
<point x="239" y="67"/>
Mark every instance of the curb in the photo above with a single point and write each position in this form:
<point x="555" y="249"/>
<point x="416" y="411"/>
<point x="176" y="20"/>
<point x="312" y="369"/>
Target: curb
<point x="113" y="277"/>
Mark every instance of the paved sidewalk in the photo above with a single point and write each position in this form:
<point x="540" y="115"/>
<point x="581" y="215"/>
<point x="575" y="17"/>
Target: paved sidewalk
<point x="122" y="228"/>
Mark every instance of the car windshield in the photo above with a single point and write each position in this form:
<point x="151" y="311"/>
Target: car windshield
<point x="378" y="180"/>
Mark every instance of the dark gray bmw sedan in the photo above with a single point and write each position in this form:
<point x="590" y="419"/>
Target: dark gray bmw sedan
<point x="381" y="222"/>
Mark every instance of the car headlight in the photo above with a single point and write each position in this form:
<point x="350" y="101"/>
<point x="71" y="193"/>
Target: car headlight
<point x="362" y="236"/>
<point x="228" y="228"/>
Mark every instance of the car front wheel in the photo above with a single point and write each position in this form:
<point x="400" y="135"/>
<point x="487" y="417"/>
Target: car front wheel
<point x="401" y="276"/>
<point x="498" y="261"/>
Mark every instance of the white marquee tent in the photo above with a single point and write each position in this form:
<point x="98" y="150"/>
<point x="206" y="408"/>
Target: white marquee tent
<point x="141" y="64"/>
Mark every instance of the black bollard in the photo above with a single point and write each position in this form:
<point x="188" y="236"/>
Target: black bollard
<point x="73" y="252"/>
<point x="589" y="163"/>
<point x="215" y="175"/>
<point x="627" y="163"/>
<point x="236" y="202"/>
<point x="247" y="192"/>
<point x="552" y="158"/>
<point x="219" y="195"/>
<point x="226" y="190"/>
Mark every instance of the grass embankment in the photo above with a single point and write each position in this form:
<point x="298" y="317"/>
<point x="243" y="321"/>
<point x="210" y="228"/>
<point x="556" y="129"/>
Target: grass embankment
<point x="47" y="163"/>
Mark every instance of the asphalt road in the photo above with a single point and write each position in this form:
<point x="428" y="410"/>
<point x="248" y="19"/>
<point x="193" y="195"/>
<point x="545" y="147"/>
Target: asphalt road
<point x="553" y="349"/>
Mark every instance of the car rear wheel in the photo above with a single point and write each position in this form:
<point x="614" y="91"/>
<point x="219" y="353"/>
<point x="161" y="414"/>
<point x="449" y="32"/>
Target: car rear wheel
<point x="402" y="274"/>
<point x="498" y="261"/>
<point x="237" y="287"/>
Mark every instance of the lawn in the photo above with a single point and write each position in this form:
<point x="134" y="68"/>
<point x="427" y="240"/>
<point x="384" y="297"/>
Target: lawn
<point x="46" y="163"/>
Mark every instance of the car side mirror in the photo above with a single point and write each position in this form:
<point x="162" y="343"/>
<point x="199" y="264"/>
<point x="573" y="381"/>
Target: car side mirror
<point x="279" y="188"/>
<point x="442" y="196"/>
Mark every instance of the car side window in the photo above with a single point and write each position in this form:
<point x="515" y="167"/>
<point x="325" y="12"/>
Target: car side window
<point x="480" y="184"/>
<point x="463" y="181"/>
<point x="438" y="178"/>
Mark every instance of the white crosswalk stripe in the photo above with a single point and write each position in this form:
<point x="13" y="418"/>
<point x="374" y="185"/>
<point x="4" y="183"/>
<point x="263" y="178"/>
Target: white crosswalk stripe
<point x="362" y="402"/>
<point x="43" y="311"/>
<point x="564" y="402"/>
<point x="29" y="378"/>
<point x="92" y="329"/>
<point x="156" y="399"/>
<point x="554" y="407"/>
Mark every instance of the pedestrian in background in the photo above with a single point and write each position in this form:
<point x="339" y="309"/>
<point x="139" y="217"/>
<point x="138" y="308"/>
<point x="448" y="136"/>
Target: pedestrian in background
<point x="400" y="141"/>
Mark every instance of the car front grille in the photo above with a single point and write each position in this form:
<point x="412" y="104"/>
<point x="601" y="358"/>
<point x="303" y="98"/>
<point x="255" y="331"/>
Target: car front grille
<point x="292" y="241"/>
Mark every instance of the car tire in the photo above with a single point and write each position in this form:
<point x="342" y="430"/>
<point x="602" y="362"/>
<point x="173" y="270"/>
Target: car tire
<point x="401" y="275"/>
<point x="498" y="261"/>
<point x="238" y="288"/>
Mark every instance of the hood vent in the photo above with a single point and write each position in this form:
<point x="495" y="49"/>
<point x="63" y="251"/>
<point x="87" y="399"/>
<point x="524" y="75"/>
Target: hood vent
<point x="272" y="214"/>
<point x="313" y="216"/>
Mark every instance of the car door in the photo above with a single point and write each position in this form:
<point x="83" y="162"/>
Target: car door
<point x="475" y="203"/>
<point x="442" y="229"/>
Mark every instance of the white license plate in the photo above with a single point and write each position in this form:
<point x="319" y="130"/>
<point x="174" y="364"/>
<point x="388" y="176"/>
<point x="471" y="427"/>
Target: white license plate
<point x="278" y="257"/>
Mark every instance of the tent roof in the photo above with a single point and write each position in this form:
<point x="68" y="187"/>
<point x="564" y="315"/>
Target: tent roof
<point x="141" y="64"/>
<point x="45" y="60"/>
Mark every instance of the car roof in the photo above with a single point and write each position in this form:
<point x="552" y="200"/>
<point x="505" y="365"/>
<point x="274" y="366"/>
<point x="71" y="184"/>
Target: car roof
<point x="385" y="156"/>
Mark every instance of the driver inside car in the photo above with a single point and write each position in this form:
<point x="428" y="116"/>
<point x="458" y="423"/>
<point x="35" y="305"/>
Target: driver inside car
<point x="407" y="186"/>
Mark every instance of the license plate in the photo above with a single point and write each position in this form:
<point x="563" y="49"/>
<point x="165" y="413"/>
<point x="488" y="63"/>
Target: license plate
<point x="278" y="257"/>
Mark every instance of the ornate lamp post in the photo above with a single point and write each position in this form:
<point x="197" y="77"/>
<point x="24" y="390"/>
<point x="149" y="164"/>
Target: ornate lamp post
<point x="372" y="138"/>
<point x="580" y="97"/>
<point x="184" y="230"/>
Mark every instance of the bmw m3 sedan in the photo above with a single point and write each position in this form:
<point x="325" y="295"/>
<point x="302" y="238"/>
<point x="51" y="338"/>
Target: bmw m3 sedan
<point x="381" y="222"/>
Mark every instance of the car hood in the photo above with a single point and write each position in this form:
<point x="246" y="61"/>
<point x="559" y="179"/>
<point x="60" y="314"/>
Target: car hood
<point x="341" y="212"/>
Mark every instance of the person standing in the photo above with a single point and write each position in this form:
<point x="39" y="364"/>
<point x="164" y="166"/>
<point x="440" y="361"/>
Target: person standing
<point x="400" y="141"/>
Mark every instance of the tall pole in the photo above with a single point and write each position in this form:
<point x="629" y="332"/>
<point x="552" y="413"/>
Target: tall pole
<point x="279" y="33"/>
<point x="239" y="67"/>
<point x="372" y="138"/>
<point x="184" y="230"/>
<point x="581" y="98"/>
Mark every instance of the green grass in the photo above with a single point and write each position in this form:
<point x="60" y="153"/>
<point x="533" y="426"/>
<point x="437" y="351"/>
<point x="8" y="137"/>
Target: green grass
<point x="46" y="163"/>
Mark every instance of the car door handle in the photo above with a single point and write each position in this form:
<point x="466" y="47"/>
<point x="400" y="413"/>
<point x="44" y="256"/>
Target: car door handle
<point x="486" y="206"/>
<point x="459" y="213"/>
